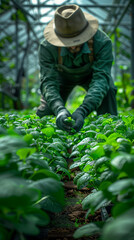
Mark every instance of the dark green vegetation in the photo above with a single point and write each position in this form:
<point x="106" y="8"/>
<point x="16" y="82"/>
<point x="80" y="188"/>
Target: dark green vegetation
<point x="34" y="160"/>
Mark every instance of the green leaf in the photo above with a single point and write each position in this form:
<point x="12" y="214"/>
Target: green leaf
<point x="57" y="146"/>
<point x="28" y="138"/>
<point x="124" y="162"/>
<point x="120" y="228"/>
<point x="101" y="136"/>
<point x="87" y="166"/>
<point x="130" y="134"/>
<point x="87" y="230"/>
<point x="78" y="176"/>
<point x="120" y="127"/>
<point x="91" y="133"/>
<point x="27" y="225"/>
<point x="42" y="217"/>
<point x="49" y="131"/>
<point x="35" y="134"/>
<point x="62" y="169"/>
<point x="10" y="144"/>
<point x="94" y="201"/>
<point x="36" y="162"/>
<point x="55" y="192"/>
<point x="12" y="65"/>
<point x="124" y="145"/>
<point x="83" y="180"/>
<point x="108" y="175"/>
<point x="122" y="207"/>
<point x="108" y="149"/>
<point x="3" y="233"/>
<point x="113" y="137"/>
<point x="99" y="162"/>
<point x="86" y="158"/>
<point x="70" y="121"/>
<point x="44" y="173"/>
<point x="61" y="163"/>
<point x="83" y="143"/>
<point x="23" y="153"/>
<point x="15" y="192"/>
<point x="74" y="154"/>
<point x="122" y="186"/>
<point x="97" y="152"/>
<point x="76" y="164"/>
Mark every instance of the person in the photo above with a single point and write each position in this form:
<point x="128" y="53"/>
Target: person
<point x="75" y="52"/>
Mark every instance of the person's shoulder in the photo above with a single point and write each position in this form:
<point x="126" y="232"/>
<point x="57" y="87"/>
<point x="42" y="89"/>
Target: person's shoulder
<point x="48" y="50"/>
<point x="101" y="36"/>
<point x="102" y="43"/>
<point x="48" y="45"/>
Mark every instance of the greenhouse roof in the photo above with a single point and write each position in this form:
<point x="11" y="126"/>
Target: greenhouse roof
<point x="22" y="23"/>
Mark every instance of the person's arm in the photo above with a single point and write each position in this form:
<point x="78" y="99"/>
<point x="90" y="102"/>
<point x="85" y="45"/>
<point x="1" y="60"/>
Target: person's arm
<point x="49" y="76"/>
<point x="101" y="75"/>
<point x="50" y="85"/>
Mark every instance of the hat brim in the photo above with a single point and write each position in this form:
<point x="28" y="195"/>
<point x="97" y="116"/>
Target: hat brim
<point x="88" y="33"/>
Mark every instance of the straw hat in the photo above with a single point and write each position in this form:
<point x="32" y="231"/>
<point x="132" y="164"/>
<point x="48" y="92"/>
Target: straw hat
<point x="70" y="27"/>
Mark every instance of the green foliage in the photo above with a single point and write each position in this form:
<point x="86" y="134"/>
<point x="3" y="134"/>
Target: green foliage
<point x="87" y="230"/>
<point x="94" y="201"/>
<point x="124" y="90"/>
<point x="108" y="143"/>
<point x="33" y="161"/>
<point x="48" y="131"/>
<point x="121" y="228"/>
<point x="20" y="15"/>
<point x="28" y="174"/>
<point x="4" y="6"/>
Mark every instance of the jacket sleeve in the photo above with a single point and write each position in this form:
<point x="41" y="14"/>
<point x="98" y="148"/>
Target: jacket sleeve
<point x="101" y="74"/>
<point x="49" y="77"/>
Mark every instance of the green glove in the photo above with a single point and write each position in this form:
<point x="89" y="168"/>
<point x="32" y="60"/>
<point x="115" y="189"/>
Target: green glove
<point x="60" y="120"/>
<point x="79" y="120"/>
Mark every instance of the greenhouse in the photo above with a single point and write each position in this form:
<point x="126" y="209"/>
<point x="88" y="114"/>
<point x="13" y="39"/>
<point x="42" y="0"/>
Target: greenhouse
<point x="67" y="120"/>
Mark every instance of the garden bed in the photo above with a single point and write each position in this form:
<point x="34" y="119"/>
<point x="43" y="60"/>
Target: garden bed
<point x="60" y="186"/>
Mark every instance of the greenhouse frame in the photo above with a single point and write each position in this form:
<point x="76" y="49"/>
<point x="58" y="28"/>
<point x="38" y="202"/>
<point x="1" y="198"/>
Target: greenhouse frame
<point x="67" y="120"/>
<point x="22" y="24"/>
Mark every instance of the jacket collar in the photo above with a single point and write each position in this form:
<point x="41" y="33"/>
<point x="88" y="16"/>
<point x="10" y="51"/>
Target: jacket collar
<point x="84" y="49"/>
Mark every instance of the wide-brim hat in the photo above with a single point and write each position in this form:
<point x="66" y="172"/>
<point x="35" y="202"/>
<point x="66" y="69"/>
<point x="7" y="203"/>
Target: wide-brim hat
<point x="70" y="26"/>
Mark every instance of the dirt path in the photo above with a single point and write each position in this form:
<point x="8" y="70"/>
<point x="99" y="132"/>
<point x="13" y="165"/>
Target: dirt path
<point x="64" y="224"/>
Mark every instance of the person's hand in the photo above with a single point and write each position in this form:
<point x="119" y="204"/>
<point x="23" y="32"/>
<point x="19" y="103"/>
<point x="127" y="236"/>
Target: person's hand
<point x="61" y="122"/>
<point x="79" y="121"/>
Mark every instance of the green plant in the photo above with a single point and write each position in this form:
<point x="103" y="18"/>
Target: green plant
<point x="30" y="186"/>
<point x="35" y="163"/>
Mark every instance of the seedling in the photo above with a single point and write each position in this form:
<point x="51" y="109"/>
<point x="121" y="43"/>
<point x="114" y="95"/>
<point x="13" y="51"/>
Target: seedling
<point x="70" y="120"/>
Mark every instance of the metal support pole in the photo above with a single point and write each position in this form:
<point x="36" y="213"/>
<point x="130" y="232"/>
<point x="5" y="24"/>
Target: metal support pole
<point x="115" y="56"/>
<point x="26" y="71"/>
<point x="80" y="5"/>
<point x="17" y="47"/>
<point x="22" y="9"/>
<point x="27" y="82"/>
<point x="18" y="6"/>
<point x="121" y="17"/>
<point x="132" y="42"/>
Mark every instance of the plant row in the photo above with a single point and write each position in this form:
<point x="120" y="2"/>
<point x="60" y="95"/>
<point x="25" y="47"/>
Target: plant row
<point x="33" y="157"/>
<point x="33" y="161"/>
<point x="104" y="154"/>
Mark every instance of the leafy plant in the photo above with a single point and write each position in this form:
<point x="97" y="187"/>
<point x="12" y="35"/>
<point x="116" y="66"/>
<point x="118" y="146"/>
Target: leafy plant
<point x="36" y="161"/>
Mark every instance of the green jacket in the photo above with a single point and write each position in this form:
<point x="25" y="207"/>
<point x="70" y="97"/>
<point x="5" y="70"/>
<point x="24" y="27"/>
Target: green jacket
<point x="101" y="72"/>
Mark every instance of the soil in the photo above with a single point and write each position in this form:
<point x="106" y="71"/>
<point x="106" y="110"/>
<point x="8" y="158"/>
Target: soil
<point x="64" y="224"/>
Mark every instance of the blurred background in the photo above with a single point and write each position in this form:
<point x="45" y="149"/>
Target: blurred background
<point x="22" y="23"/>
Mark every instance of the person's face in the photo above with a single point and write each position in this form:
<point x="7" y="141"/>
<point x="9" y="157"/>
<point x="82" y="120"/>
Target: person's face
<point x="75" y="49"/>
